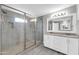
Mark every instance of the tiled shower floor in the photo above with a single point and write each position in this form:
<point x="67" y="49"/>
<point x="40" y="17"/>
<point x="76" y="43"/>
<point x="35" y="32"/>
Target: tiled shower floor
<point x="39" y="50"/>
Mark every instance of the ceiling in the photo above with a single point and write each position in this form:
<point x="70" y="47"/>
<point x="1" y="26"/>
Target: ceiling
<point x="37" y="10"/>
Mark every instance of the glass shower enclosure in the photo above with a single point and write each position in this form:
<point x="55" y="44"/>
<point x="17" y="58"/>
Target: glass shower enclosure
<point x="17" y="32"/>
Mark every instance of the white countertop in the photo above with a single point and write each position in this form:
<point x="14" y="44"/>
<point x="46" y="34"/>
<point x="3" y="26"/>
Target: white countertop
<point x="64" y="35"/>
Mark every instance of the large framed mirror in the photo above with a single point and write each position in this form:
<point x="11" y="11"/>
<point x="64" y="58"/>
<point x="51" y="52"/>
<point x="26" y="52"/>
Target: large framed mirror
<point x="60" y="24"/>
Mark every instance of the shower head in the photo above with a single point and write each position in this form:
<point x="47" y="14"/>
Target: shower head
<point x="3" y="11"/>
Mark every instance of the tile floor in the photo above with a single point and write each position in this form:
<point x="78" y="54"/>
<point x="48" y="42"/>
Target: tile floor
<point x="40" y="50"/>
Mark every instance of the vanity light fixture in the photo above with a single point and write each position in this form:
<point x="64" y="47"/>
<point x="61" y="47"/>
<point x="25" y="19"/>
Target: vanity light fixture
<point x="59" y="14"/>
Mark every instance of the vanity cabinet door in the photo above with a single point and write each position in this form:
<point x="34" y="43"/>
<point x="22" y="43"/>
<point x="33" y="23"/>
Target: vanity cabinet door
<point x="73" y="46"/>
<point x="45" y="41"/>
<point x="56" y="43"/>
<point x="60" y="44"/>
<point x="48" y="41"/>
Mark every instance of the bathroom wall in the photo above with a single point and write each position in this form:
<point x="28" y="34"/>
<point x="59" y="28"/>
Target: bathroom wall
<point x="70" y="10"/>
<point x="41" y="24"/>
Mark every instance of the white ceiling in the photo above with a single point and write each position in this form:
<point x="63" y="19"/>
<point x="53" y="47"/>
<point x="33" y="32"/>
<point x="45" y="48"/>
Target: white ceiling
<point x="39" y="9"/>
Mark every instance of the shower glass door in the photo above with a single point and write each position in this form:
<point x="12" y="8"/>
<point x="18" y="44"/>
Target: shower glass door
<point x="12" y="31"/>
<point x="17" y="31"/>
<point x="30" y="33"/>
